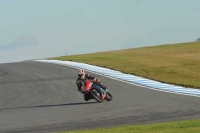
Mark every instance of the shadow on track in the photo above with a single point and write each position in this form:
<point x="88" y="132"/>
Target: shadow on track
<point x="53" y="105"/>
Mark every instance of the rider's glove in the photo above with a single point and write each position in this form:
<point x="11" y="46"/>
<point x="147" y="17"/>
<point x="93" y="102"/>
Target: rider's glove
<point x="98" y="81"/>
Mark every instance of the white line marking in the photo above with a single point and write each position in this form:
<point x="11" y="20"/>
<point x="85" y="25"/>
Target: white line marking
<point x="127" y="78"/>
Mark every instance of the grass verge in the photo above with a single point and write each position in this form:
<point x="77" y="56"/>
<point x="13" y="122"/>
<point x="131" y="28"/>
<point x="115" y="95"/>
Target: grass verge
<point x="177" y="64"/>
<point x="189" y="126"/>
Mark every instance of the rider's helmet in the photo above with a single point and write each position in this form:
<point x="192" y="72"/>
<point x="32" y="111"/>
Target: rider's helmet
<point x="81" y="72"/>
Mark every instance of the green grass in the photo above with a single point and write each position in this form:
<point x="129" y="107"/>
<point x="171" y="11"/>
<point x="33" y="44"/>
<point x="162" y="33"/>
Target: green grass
<point x="190" y="126"/>
<point x="171" y="63"/>
<point x="177" y="64"/>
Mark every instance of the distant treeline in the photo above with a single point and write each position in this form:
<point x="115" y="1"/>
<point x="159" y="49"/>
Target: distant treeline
<point x="198" y="40"/>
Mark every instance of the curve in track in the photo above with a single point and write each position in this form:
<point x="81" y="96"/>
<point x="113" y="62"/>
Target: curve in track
<point x="43" y="97"/>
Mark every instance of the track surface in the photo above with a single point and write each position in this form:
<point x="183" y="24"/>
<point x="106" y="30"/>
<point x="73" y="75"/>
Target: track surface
<point x="41" y="97"/>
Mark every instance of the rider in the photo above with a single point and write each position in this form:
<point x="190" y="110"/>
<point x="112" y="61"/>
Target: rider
<point x="82" y="76"/>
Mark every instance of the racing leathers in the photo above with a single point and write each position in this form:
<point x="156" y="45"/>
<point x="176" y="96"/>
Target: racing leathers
<point x="80" y="81"/>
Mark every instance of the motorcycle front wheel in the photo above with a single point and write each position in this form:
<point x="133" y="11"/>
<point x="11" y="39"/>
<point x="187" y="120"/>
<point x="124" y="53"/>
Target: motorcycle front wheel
<point x="96" y="94"/>
<point x="108" y="96"/>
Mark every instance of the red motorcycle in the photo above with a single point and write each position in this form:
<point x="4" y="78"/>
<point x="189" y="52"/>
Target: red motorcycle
<point x="94" y="91"/>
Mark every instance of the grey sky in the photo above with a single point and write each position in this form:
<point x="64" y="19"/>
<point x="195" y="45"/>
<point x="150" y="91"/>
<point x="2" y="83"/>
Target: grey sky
<point x="84" y="26"/>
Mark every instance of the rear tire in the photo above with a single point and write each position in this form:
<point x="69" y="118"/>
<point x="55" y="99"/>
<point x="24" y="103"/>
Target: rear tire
<point x="95" y="96"/>
<point x="108" y="96"/>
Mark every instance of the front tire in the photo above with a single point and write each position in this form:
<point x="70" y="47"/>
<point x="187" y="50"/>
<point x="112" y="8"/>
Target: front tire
<point x="108" y="96"/>
<point x="95" y="93"/>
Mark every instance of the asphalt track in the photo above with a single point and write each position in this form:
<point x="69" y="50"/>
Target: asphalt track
<point x="41" y="97"/>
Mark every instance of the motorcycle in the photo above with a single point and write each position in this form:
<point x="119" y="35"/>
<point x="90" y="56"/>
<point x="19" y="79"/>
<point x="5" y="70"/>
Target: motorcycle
<point x="94" y="91"/>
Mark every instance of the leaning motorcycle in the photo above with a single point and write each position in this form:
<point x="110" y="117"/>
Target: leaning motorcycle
<point x="95" y="91"/>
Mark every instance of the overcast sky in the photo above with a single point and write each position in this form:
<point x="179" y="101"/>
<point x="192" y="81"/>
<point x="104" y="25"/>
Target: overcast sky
<point x="31" y="29"/>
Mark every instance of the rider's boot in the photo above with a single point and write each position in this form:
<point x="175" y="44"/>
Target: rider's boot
<point x="103" y="96"/>
<point x="104" y="92"/>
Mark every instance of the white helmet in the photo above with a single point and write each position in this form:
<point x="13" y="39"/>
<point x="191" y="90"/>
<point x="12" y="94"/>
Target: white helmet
<point x="81" y="72"/>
